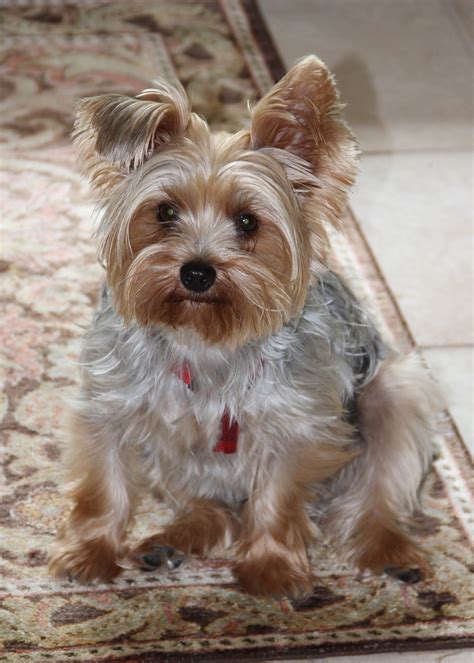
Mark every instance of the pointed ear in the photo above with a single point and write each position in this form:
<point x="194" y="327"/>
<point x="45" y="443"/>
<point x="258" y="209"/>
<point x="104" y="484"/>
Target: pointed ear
<point x="302" y="115"/>
<point x="115" y="134"/>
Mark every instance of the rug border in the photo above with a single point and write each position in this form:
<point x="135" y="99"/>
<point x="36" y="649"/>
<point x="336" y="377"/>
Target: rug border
<point x="264" y="38"/>
<point x="366" y="647"/>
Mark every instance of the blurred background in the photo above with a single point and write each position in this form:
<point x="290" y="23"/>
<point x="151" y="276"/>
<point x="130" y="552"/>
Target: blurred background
<point x="404" y="69"/>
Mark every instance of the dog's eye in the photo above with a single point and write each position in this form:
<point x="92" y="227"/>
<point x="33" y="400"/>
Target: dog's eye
<point x="166" y="213"/>
<point x="246" y="222"/>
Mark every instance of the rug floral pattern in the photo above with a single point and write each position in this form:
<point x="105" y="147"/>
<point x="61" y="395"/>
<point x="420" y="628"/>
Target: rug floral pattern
<point x="51" y="54"/>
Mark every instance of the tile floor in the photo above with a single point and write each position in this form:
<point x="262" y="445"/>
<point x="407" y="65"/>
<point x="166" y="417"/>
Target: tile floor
<point x="404" y="69"/>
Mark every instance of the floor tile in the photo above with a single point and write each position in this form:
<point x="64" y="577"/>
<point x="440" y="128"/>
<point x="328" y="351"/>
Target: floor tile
<point x="403" y="67"/>
<point x="463" y="14"/>
<point x="453" y="369"/>
<point x="416" y="213"/>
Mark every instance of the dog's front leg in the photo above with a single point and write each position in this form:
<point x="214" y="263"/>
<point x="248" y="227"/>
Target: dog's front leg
<point x="91" y="541"/>
<point x="271" y="556"/>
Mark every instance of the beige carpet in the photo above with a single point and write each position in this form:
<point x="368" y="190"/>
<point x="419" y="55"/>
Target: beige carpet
<point x="52" y="53"/>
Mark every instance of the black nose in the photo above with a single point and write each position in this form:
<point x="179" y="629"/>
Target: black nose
<point x="197" y="277"/>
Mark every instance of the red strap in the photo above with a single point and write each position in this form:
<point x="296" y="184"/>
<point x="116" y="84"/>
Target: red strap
<point x="229" y="435"/>
<point x="184" y="373"/>
<point x="227" y="443"/>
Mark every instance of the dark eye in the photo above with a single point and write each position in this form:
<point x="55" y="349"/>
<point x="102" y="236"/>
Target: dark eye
<point x="246" y="222"/>
<point x="166" y="213"/>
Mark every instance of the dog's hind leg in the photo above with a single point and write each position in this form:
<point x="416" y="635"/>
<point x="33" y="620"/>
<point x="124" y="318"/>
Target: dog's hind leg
<point x="375" y="497"/>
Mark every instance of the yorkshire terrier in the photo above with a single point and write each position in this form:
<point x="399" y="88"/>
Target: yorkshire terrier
<point x="227" y="369"/>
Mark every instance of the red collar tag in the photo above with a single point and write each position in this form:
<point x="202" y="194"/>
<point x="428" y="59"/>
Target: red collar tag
<point x="184" y="374"/>
<point x="229" y="435"/>
<point x="227" y="443"/>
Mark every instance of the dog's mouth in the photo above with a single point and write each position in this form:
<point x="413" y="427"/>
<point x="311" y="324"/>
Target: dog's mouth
<point x="197" y="300"/>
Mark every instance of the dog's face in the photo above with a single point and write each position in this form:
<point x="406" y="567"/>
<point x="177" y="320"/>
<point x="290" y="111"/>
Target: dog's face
<point x="212" y="232"/>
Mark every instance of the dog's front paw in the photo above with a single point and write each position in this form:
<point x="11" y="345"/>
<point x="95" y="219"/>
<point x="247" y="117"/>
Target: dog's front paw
<point x="84" y="561"/>
<point x="272" y="575"/>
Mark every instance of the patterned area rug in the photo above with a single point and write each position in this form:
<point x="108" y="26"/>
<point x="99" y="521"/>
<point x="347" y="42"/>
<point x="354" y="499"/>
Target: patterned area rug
<point x="52" y="53"/>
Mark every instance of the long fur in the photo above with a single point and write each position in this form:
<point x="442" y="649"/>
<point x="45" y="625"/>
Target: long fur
<point x="331" y="424"/>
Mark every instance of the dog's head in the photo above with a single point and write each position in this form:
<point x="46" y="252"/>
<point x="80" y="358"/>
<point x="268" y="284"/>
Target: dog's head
<point x="212" y="232"/>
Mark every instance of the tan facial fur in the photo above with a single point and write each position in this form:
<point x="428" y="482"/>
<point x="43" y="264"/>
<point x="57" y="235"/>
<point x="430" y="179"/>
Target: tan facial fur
<point x="291" y="171"/>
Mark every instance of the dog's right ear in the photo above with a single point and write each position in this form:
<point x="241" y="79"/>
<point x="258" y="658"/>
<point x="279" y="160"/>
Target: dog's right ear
<point x="115" y="134"/>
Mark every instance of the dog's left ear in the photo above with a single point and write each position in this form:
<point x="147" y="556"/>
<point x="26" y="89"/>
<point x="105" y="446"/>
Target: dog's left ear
<point x="302" y="115"/>
<point x="115" y="134"/>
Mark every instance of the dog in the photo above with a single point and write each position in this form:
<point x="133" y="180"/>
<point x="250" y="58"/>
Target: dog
<point x="227" y="368"/>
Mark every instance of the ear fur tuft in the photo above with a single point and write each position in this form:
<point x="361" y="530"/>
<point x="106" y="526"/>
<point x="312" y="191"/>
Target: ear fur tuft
<point x="302" y="115"/>
<point x="115" y="134"/>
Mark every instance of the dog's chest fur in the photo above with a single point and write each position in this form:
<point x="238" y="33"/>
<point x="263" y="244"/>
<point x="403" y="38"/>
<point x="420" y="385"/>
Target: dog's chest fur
<point x="290" y="389"/>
